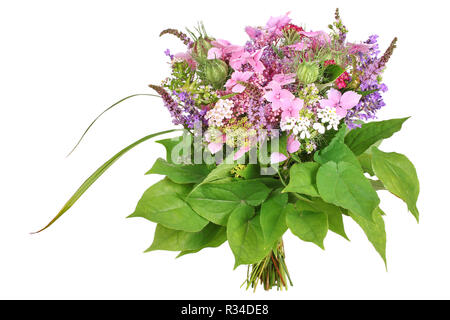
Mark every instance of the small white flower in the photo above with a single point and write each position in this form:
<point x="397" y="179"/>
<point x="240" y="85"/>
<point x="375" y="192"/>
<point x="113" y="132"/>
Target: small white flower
<point x="319" y="127"/>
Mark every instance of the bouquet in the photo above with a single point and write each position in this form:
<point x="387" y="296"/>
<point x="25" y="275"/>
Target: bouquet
<point x="275" y="135"/>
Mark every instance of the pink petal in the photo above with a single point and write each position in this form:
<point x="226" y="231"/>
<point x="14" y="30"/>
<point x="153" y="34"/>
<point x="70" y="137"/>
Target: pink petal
<point x="293" y="145"/>
<point x="327" y="103"/>
<point x="252" y="32"/>
<point x="335" y="96"/>
<point x="239" y="88"/>
<point x="350" y="99"/>
<point x="241" y="152"/>
<point x="215" y="147"/>
<point x="215" y="53"/>
<point x="341" y="112"/>
<point x="277" y="157"/>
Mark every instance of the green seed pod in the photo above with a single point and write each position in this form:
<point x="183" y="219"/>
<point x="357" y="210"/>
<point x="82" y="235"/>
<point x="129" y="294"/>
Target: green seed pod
<point x="308" y="72"/>
<point x="201" y="48"/>
<point x="216" y="72"/>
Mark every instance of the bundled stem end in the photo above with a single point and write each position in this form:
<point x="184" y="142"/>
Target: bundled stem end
<point x="270" y="272"/>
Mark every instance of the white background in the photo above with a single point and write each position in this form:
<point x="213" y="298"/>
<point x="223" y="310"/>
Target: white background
<point x="63" y="62"/>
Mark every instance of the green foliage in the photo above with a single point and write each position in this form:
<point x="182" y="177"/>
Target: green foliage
<point x="215" y="201"/>
<point x="245" y="236"/>
<point x="180" y="173"/>
<point x="398" y="175"/>
<point x="199" y="206"/>
<point x="303" y="179"/>
<point x="331" y="73"/>
<point x="344" y="185"/>
<point x="360" y="139"/>
<point x="334" y="213"/>
<point x="175" y="240"/>
<point x="164" y="203"/>
<point x="308" y="225"/>
<point x="374" y="231"/>
<point x="273" y="217"/>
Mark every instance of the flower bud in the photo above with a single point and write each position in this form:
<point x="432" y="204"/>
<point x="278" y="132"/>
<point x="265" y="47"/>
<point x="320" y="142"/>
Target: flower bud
<point x="216" y="72"/>
<point x="308" y="72"/>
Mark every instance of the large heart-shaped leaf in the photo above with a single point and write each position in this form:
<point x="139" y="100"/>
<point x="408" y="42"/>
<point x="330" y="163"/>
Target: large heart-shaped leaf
<point x="307" y="225"/>
<point x="164" y="203"/>
<point x="334" y="213"/>
<point x="273" y="217"/>
<point x="303" y="179"/>
<point x="399" y="176"/>
<point x="175" y="240"/>
<point x="345" y="185"/>
<point x="215" y="201"/>
<point x="245" y="236"/>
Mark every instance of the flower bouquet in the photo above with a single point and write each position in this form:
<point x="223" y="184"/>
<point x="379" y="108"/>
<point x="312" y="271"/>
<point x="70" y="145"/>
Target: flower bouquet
<point x="274" y="136"/>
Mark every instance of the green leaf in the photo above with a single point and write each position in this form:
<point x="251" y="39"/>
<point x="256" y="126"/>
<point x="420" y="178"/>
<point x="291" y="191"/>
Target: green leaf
<point x="374" y="230"/>
<point x="245" y="236"/>
<point x="307" y="225"/>
<point x="337" y="151"/>
<point x="399" y="176"/>
<point x="89" y="181"/>
<point x="180" y="173"/>
<point x="170" y="144"/>
<point x="164" y="203"/>
<point x="360" y="139"/>
<point x="107" y="109"/>
<point x="344" y="185"/>
<point x="215" y="201"/>
<point x="303" y="179"/>
<point x="365" y="160"/>
<point x="332" y="72"/>
<point x="335" y="221"/>
<point x="273" y="217"/>
<point x="175" y="240"/>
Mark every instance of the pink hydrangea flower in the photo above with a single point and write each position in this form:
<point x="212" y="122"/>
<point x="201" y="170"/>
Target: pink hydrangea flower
<point x="292" y="108"/>
<point x="341" y="102"/>
<point x="233" y="85"/>
<point x="280" y="80"/>
<point x="221" y="48"/>
<point x="276" y="24"/>
<point x="241" y="57"/>
<point x="279" y="97"/>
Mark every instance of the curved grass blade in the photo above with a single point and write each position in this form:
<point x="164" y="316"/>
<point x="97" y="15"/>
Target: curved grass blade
<point x="89" y="181"/>
<point x="107" y="109"/>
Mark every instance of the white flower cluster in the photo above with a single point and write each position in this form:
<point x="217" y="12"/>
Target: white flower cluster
<point x="222" y="110"/>
<point x="328" y="116"/>
<point x="299" y="126"/>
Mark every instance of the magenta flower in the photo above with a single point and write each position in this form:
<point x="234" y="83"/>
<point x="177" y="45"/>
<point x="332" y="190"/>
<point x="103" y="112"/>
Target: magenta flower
<point x="186" y="56"/>
<point x="342" y="102"/>
<point x="279" y="97"/>
<point x="291" y="109"/>
<point x="233" y="85"/>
